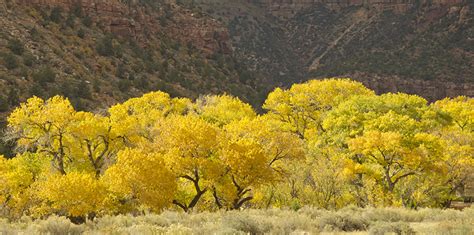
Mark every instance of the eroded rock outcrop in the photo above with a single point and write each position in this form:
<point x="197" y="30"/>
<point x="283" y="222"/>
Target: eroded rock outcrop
<point x="131" y="20"/>
<point x="112" y="14"/>
<point x="204" y="33"/>
<point x="288" y="8"/>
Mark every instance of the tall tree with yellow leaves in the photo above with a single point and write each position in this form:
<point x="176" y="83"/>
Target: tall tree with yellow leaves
<point x="190" y="147"/>
<point x="141" y="180"/>
<point x="304" y="106"/>
<point x="76" y="195"/>
<point x="96" y="141"/>
<point x="44" y="127"/>
<point x="223" y="109"/>
<point x="134" y="119"/>
<point x="254" y="152"/>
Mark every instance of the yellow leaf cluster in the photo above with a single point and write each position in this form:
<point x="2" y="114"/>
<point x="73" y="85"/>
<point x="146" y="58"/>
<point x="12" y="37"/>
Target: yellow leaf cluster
<point x="143" y="177"/>
<point x="75" y="194"/>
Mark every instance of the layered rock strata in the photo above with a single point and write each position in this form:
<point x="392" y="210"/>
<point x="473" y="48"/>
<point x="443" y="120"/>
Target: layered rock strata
<point x="130" y="20"/>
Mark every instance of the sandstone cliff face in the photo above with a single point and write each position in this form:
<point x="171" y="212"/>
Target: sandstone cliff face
<point x="206" y="34"/>
<point x="135" y="21"/>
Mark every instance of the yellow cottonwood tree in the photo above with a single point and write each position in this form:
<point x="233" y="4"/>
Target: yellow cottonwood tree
<point x="388" y="112"/>
<point x="76" y="195"/>
<point x="389" y="137"/>
<point x="254" y="152"/>
<point x="303" y="106"/>
<point x="455" y="172"/>
<point x="141" y="179"/>
<point x="190" y="147"/>
<point x="302" y="109"/>
<point x="134" y="118"/>
<point x="223" y="109"/>
<point x="96" y="141"/>
<point x="16" y="177"/>
<point x="44" y="126"/>
<point x="394" y="157"/>
<point x="459" y="135"/>
<point x="461" y="110"/>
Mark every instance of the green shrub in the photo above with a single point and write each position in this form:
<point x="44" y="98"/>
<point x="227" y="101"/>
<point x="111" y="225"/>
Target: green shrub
<point x="35" y="90"/>
<point x="70" y="21"/>
<point x="105" y="46"/>
<point x="124" y="85"/>
<point x="77" y="9"/>
<point x="44" y="75"/>
<point x="16" y="46"/>
<point x="12" y="98"/>
<point x="56" y="14"/>
<point x="81" y="33"/>
<point x="87" y="21"/>
<point x="10" y="61"/>
<point x="3" y="105"/>
<point x="28" y="59"/>
<point x="343" y="221"/>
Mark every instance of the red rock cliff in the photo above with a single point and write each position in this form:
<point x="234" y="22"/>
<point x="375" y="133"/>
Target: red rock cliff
<point x="135" y="21"/>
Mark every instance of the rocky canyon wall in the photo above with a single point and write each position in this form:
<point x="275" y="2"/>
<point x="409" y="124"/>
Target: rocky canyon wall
<point x="132" y="20"/>
<point x="432" y="90"/>
<point x="114" y="16"/>
<point x="288" y="8"/>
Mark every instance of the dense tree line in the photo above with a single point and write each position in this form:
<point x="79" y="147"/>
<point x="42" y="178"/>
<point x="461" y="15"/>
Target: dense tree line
<point x="325" y="143"/>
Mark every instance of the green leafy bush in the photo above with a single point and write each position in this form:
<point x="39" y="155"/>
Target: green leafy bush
<point x="56" y="14"/>
<point x="105" y="47"/>
<point x="16" y="46"/>
<point x="10" y="61"/>
<point x="44" y="75"/>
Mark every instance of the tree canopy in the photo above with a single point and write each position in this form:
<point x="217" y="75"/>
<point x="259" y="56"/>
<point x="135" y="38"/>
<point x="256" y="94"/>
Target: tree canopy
<point x="327" y="143"/>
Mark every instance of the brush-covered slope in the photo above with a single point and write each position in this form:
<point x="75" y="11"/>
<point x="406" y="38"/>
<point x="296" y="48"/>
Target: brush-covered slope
<point x="100" y="52"/>
<point x="422" y="47"/>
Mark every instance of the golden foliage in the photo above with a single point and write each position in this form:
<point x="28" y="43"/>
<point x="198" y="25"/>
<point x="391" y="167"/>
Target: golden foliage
<point x="141" y="177"/>
<point x="75" y="194"/>
<point x="327" y="143"/>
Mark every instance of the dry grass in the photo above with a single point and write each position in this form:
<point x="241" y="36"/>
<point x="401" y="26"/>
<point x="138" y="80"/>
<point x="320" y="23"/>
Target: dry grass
<point x="305" y="221"/>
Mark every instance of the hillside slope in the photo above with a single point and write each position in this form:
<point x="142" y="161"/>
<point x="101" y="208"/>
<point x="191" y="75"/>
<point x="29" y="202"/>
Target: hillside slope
<point x="101" y="52"/>
<point x="422" y="47"/>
